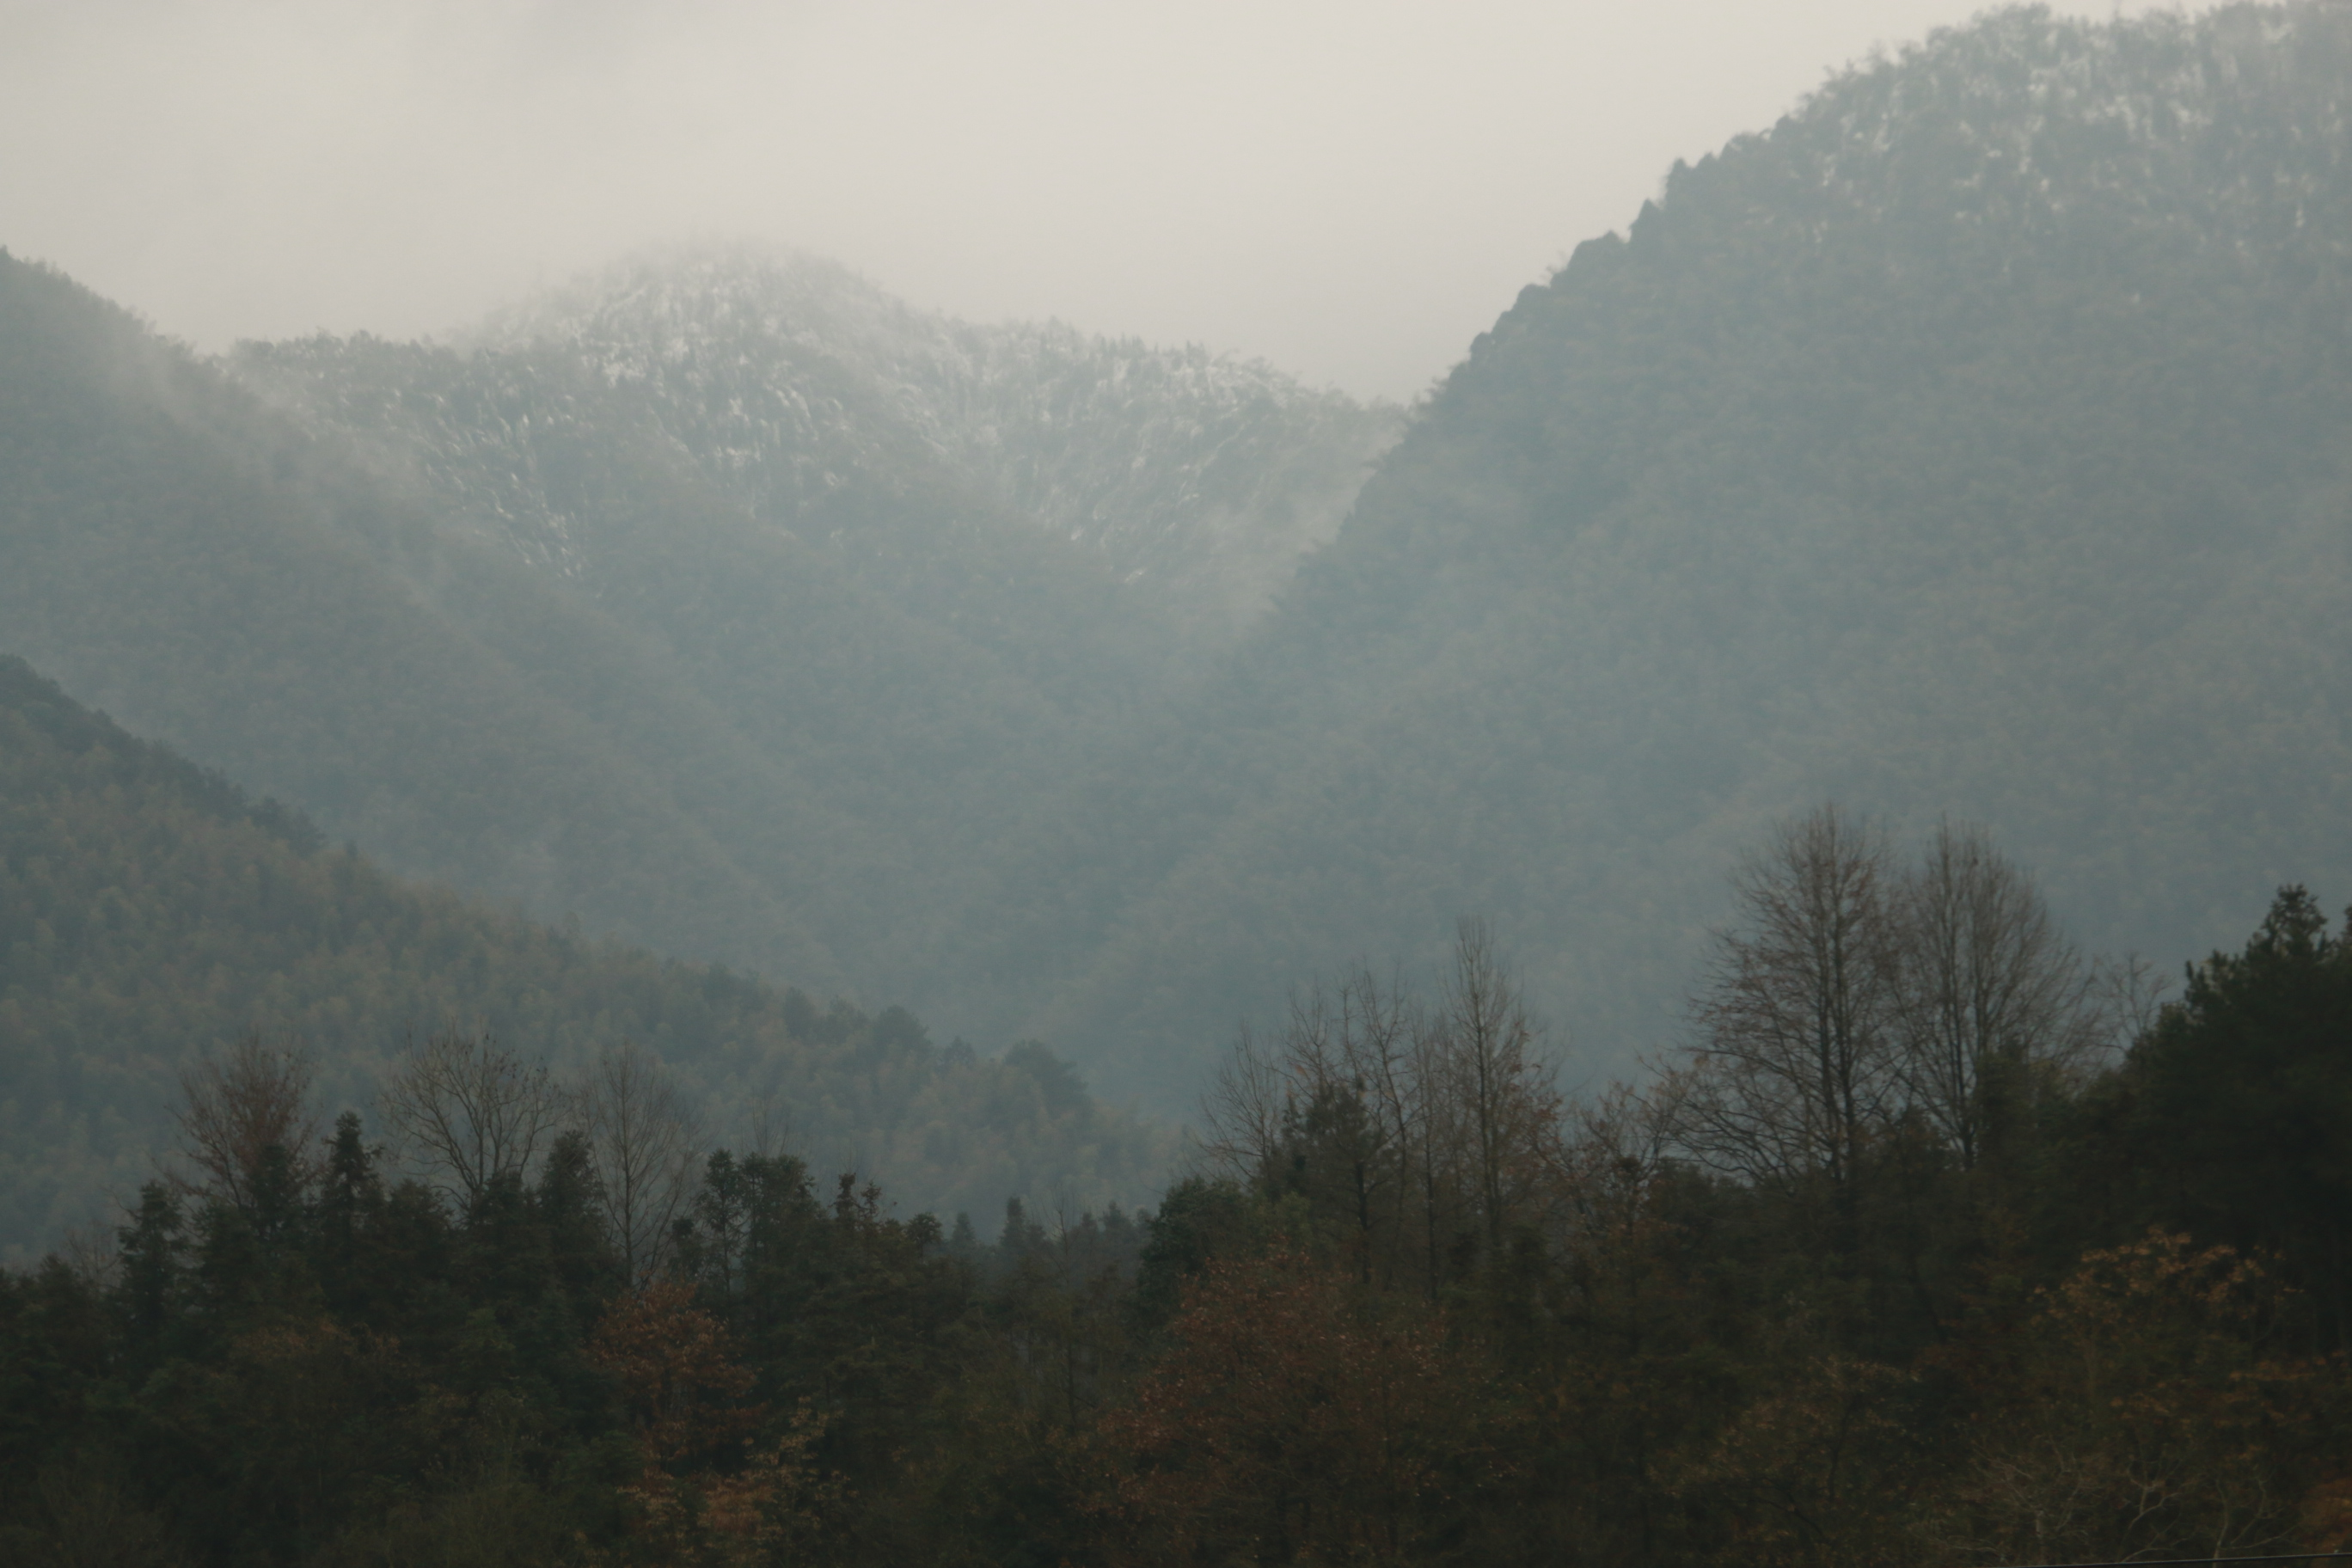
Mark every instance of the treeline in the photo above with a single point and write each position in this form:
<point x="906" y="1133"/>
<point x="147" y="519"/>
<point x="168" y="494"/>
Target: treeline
<point x="150" y="911"/>
<point x="1811" y="1295"/>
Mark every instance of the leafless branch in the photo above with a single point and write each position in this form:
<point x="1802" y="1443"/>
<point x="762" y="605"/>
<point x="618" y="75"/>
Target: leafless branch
<point x="233" y="1110"/>
<point x="471" y="1110"/>
<point x="647" y="1144"/>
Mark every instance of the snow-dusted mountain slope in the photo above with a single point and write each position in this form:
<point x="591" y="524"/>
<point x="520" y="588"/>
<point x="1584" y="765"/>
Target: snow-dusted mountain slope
<point x="783" y="382"/>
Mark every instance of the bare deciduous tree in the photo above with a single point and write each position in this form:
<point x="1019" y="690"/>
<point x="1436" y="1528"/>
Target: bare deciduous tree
<point x="470" y="1109"/>
<point x="1434" y="1128"/>
<point x="1848" y="997"/>
<point x="233" y="1110"/>
<point x="647" y="1145"/>
<point x="2129" y="992"/>
<point x="1991" y="987"/>
<point x="1242" y="1111"/>
<point x="1625" y="1135"/>
<point x="1505" y="1094"/>
<point x="1798" y="1016"/>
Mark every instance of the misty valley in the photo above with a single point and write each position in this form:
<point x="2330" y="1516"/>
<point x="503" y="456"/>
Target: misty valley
<point x="720" y="920"/>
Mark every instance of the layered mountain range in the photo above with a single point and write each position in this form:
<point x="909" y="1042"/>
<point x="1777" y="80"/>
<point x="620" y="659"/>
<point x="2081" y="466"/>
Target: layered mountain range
<point x="1967" y="443"/>
<point x="150" y="911"/>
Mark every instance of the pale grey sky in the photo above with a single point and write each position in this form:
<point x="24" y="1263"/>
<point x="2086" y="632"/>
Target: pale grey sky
<point x="1349" y="188"/>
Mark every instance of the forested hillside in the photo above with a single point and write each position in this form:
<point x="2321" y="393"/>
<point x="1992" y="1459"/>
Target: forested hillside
<point x="1967" y="443"/>
<point x="151" y="917"/>
<point x="1427" y="1309"/>
<point x="729" y="605"/>
<point x="1970" y="442"/>
<point x="1811" y="638"/>
<point x="1199" y="480"/>
<point x="929" y="568"/>
<point x="172" y="553"/>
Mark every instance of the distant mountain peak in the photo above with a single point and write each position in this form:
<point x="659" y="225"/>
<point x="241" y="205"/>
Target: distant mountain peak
<point x="783" y="377"/>
<point x="671" y="307"/>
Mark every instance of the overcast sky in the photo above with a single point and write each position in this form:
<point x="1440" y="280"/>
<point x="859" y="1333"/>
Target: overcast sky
<point x="1349" y="188"/>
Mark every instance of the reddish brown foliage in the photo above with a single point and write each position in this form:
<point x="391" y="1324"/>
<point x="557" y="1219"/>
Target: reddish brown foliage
<point x="1288" y="1419"/>
<point x="2145" y="1418"/>
<point x="710" y="1491"/>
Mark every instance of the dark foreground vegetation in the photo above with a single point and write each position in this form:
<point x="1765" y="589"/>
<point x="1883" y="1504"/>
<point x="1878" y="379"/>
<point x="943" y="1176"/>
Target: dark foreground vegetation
<point x="1904" y="1265"/>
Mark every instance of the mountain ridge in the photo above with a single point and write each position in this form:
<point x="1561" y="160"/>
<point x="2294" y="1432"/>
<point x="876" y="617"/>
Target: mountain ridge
<point x="152" y="913"/>
<point x="1805" y="488"/>
<point x="781" y="377"/>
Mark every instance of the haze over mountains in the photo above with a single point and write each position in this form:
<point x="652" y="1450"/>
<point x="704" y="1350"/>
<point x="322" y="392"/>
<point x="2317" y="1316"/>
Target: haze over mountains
<point x="149" y="910"/>
<point x="1966" y="443"/>
<point x="1970" y="443"/>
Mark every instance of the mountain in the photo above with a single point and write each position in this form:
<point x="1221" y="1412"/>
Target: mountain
<point x="150" y="912"/>
<point x="1966" y="443"/>
<point x="521" y="620"/>
<point x="924" y="568"/>
<point x="235" y="588"/>
<point x="1202" y="478"/>
<point x="1973" y="441"/>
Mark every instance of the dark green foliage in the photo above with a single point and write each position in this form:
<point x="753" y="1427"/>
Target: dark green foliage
<point x="1198" y="1219"/>
<point x="335" y="1370"/>
<point x="2237" y="1107"/>
<point x="266" y="1418"/>
<point x="1649" y="1365"/>
<point x="838" y="1305"/>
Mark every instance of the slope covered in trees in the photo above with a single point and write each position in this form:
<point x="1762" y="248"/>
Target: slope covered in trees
<point x="727" y="604"/>
<point x="199" y="568"/>
<point x="1431" y="1310"/>
<point x="928" y="568"/>
<point x="1972" y="441"/>
<point x="151" y="915"/>
<point x="1198" y="479"/>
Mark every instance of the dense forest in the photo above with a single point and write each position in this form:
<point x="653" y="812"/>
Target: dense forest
<point x="1948" y="1281"/>
<point x="150" y="915"/>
